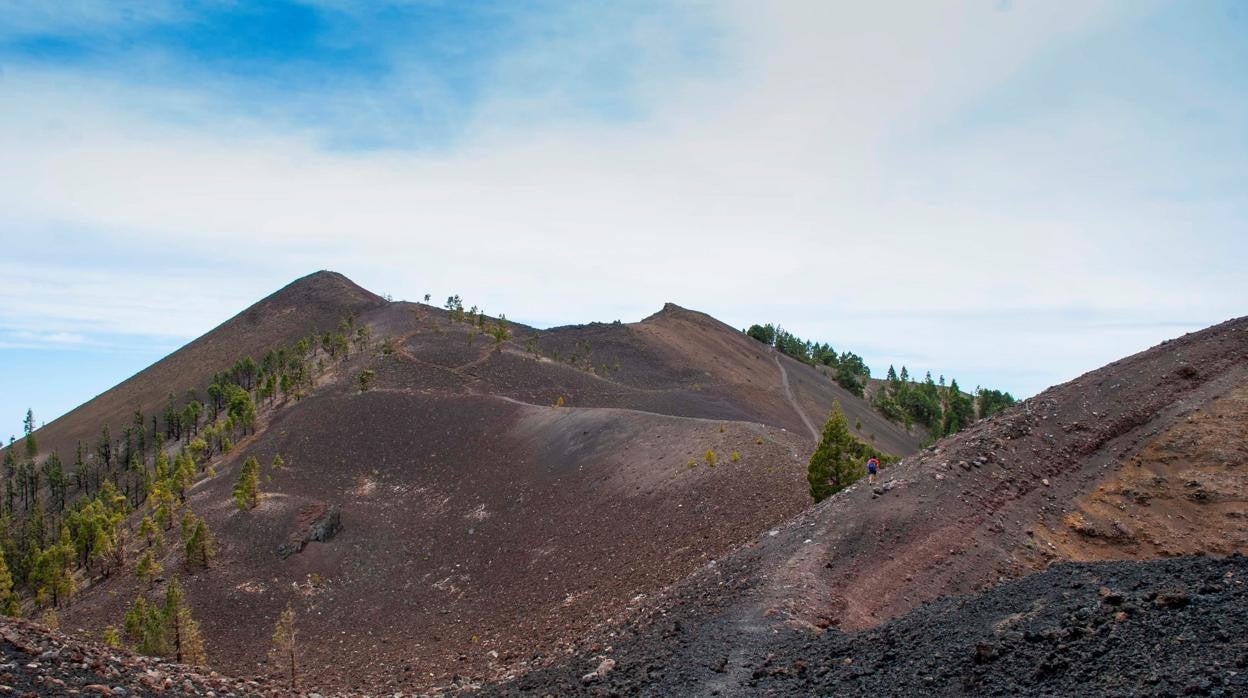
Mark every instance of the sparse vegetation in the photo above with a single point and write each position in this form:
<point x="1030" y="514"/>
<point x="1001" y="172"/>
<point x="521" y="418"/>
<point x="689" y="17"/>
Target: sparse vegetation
<point x="500" y="332"/>
<point x="735" y="457"/>
<point x="366" y="378"/>
<point x="710" y="458"/>
<point x="454" y="308"/>
<point x="285" y="647"/>
<point x="149" y="466"/>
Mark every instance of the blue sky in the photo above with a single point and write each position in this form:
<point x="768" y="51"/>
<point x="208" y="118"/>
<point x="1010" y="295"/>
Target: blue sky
<point x="1010" y="193"/>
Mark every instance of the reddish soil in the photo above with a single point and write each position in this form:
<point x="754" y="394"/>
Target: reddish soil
<point x="965" y="514"/>
<point x="1140" y="459"/>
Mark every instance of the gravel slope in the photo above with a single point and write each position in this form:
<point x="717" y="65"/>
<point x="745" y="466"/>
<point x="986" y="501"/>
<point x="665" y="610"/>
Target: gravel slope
<point x="1165" y="627"/>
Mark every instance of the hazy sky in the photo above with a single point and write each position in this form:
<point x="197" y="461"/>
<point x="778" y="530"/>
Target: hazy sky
<point x="1010" y="193"/>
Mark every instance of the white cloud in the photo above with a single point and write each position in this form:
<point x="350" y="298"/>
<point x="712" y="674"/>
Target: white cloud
<point x="771" y="187"/>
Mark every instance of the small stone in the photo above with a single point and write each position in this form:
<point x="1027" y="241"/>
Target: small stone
<point x="1171" y="599"/>
<point x="605" y="667"/>
<point x="98" y="689"/>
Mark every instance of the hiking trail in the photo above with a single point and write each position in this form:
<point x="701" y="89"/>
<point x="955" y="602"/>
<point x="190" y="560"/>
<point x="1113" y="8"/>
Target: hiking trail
<point x="788" y="394"/>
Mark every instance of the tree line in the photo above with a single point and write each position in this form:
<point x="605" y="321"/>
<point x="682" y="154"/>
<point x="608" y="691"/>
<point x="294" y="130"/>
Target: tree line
<point x="942" y="409"/>
<point x="848" y="369"/>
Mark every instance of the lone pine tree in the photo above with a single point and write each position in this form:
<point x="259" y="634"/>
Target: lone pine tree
<point x="147" y="568"/>
<point x="198" y="545"/>
<point x="181" y="631"/>
<point x="284" y="645"/>
<point x="247" y="488"/>
<point x="834" y="465"/>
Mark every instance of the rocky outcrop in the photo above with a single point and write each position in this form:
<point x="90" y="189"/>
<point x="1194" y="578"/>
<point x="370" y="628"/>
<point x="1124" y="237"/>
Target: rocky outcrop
<point x="325" y="524"/>
<point x="36" y="661"/>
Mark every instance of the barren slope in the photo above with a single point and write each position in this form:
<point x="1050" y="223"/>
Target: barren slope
<point x="484" y="529"/>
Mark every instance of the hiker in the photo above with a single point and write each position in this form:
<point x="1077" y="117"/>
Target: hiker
<point x="873" y="467"/>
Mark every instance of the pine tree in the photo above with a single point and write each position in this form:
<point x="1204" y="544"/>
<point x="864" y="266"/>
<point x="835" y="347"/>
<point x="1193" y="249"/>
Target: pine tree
<point x="145" y="628"/>
<point x="8" y="598"/>
<point x="28" y="427"/>
<point x="151" y="534"/>
<point x="65" y="552"/>
<point x="148" y="568"/>
<point x="834" y="464"/>
<point x="284" y="642"/>
<point x="500" y="332"/>
<point x="247" y="488"/>
<point x="181" y="631"/>
<point x="199" y="545"/>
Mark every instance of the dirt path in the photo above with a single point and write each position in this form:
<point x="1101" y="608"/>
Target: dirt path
<point x="788" y="394"/>
<point x="756" y="426"/>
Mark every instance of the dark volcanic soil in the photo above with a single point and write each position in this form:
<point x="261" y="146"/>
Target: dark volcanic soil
<point x="485" y="530"/>
<point x="1165" y="627"/>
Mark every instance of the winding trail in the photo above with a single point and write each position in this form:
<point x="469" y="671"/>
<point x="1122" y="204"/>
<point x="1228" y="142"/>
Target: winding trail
<point x="788" y="394"/>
